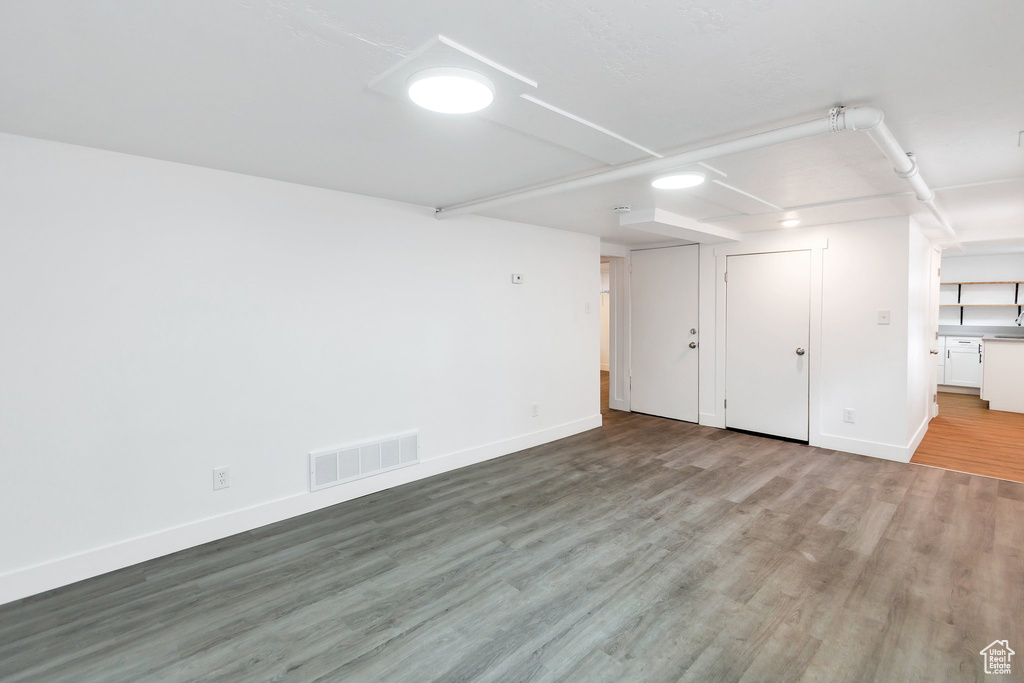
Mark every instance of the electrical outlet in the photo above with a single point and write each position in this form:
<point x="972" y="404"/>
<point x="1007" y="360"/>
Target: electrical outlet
<point x="535" y="409"/>
<point x="848" y="415"/>
<point x="586" y="307"/>
<point x="221" y="478"/>
<point x="883" y="317"/>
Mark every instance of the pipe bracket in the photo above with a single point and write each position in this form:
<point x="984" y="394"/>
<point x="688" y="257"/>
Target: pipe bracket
<point x="833" y="119"/>
<point x="912" y="171"/>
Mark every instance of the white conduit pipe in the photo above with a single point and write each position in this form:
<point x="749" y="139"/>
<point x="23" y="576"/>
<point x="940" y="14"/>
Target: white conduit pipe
<point x="867" y="119"/>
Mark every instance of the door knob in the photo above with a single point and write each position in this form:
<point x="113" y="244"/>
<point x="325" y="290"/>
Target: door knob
<point x="934" y="352"/>
<point x="693" y="330"/>
<point x="800" y="351"/>
<point x="693" y="345"/>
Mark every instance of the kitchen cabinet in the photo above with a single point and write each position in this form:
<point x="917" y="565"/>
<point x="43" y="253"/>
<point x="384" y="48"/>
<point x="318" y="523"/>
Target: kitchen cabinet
<point x="963" y="365"/>
<point x="1004" y="372"/>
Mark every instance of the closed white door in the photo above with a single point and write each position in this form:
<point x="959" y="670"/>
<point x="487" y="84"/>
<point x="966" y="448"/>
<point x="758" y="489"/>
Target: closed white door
<point x="768" y="316"/>
<point x="935" y="350"/>
<point x="663" y="337"/>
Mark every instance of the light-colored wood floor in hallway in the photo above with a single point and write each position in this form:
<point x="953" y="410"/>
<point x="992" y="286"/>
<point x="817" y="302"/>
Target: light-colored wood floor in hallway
<point x="968" y="437"/>
<point x="646" y="549"/>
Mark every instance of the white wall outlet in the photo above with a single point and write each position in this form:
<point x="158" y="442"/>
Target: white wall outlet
<point x="517" y="279"/>
<point x="883" y="317"/>
<point x="534" y="409"/>
<point x="221" y="478"/>
<point x="849" y="415"/>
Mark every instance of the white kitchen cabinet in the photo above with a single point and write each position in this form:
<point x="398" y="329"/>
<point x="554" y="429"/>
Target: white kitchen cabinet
<point x="963" y="366"/>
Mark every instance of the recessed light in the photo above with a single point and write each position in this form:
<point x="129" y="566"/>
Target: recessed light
<point x="451" y="90"/>
<point x="678" y="181"/>
<point x="789" y="222"/>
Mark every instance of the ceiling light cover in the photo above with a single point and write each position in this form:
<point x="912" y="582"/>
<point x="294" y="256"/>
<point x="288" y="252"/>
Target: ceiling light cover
<point x="451" y="90"/>
<point x="789" y="222"/>
<point x="678" y="181"/>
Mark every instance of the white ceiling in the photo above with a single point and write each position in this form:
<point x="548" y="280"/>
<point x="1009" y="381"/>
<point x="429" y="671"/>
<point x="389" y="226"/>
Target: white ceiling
<point x="280" y="89"/>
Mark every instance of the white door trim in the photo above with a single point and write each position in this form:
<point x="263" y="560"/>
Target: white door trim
<point x="817" y="247"/>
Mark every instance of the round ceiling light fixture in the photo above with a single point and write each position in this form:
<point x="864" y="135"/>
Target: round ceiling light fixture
<point x="789" y="222"/>
<point x="678" y="180"/>
<point x="451" y="90"/>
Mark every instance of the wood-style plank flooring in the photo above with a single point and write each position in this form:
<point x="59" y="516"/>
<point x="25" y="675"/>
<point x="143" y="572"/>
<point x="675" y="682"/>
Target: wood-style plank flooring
<point x="968" y="437"/>
<point x="647" y="549"/>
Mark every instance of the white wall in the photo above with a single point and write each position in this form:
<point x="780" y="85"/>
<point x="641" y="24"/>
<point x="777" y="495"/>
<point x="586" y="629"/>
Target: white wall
<point x="160" y="320"/>
<point x="982" y="268"/>
<point x="863" y="365"/>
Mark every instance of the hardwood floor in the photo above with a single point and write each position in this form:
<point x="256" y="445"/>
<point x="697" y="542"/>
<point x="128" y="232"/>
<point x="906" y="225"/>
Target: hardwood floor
<point x="968" y="437"/>
<point x="647" y="549"/>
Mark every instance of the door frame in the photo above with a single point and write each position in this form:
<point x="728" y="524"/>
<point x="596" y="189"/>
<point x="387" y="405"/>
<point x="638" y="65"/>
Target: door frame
<point x="817" y="247"/>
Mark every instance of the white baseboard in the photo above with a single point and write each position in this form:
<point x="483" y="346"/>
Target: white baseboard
<point x="952" y="389"/>
<point x="873" y="449"/>
<point x="66" y="570"/>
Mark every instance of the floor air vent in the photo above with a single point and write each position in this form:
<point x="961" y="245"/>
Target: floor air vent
<point x="340" y="465"/>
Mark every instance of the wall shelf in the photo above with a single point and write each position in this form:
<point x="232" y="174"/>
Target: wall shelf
<point x="1017" y="302"/>
<point x="995" y="282"/>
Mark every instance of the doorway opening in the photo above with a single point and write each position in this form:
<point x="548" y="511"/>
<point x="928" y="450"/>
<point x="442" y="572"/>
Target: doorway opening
<point x="978" y="412"/>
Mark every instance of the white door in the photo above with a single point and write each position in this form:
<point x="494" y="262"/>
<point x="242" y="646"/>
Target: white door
<point x="935" y="349"/>
<point x="663" y="337"/>
<point x="767" y="339"/>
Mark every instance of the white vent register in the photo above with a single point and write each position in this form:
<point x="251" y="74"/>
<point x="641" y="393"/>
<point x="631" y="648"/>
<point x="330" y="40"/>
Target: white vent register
<point x="347" y="463"/>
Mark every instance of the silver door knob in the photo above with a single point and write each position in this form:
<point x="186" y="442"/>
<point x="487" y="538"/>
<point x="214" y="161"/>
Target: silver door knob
<point x="693" y="345"/>
<point x="934" y="352"/>
<point x="800" y="352"/>
<point x="693" y="330"/>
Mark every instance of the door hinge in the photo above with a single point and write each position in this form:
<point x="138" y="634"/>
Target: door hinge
<point x="725" y="403"/>
<point x="726" y="276"/>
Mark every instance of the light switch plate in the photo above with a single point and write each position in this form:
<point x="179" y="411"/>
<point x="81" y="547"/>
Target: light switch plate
<point x="883" y="317"/>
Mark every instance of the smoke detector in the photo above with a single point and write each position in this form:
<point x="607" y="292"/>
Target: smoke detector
<point x="624" y="208"/>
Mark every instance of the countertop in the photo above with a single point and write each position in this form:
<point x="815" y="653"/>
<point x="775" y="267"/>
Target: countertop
<point x="994" y="338"/>
<point x="983" y="333"/>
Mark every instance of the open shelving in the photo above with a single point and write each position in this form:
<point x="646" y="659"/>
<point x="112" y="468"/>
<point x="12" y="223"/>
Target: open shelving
<point x="961" y="304"/>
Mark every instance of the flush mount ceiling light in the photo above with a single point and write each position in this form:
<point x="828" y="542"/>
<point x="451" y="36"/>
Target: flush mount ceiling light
<point x="678" y="181"/>
<point x="450" y="90"/>
<point x="789" y="222"/>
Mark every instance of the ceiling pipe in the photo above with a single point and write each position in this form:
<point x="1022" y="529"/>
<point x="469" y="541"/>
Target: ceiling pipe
<point x="872" y="121"/>
<point x="867" y="119"/>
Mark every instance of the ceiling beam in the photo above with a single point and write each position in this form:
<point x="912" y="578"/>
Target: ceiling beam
<point x="668" y="224"/>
